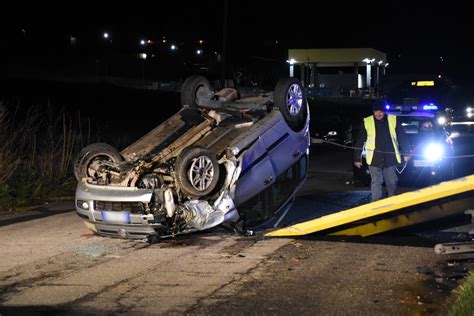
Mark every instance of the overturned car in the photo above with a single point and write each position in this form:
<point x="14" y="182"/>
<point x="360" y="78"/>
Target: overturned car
<point x="224" y="158"/>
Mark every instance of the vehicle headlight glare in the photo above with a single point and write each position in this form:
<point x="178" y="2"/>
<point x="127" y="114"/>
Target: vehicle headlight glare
<point x="434" y="152"/>
<point x="441" y="120"/>
<point x="332" y="133"/>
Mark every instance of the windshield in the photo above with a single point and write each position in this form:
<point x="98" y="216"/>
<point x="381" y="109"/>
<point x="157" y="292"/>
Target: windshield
<point x="419" y="129"/>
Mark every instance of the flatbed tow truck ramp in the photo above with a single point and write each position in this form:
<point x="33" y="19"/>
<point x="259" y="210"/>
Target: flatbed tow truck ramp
<point x="427" y="204"/>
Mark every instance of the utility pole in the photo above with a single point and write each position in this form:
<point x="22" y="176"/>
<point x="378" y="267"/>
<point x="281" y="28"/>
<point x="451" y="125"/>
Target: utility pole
<point x="224" y="46"/>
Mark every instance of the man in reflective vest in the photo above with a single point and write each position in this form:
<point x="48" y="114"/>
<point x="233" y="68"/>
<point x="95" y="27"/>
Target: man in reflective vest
<point x="384" y="139"/>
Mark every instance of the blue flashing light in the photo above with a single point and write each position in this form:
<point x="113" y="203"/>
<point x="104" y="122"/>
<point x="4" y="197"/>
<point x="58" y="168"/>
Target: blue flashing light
<point x="387" y="107"/>
<point x="431" y="106"/>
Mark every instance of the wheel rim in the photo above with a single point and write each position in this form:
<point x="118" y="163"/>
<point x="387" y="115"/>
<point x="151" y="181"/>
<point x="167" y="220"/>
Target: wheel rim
<point x="294" y="99"/>
<point x="91" y="171"/>
<point x="201" y="173"/>
<point x="198" y="89"/>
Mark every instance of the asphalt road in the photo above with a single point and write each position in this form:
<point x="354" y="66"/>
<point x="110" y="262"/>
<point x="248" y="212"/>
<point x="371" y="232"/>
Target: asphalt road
<point x="53" y="265"/>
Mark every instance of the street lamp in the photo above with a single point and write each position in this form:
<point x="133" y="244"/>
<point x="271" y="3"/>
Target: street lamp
<point x="73" y="40"/>
<point x="143" y="56"/>
<point x="174" y="56"/>
<point x="108" y="40"/>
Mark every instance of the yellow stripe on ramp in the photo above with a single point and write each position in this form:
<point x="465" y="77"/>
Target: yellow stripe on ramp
<point x="439" y="191"/>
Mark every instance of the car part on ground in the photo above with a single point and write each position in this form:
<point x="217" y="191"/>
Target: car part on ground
<point x="195" y="170"/>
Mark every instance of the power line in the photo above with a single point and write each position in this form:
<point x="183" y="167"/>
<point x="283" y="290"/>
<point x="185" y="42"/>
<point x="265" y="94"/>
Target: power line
<point x="321" y="141"/>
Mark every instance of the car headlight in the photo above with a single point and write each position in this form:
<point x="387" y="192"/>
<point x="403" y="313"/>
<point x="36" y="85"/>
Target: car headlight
<point x="434" y="152"/>
<point x="82" y="204"/>
<point x="232" y="152"/>
<point x="442" y="120"/>
<point x="332" y="133"/>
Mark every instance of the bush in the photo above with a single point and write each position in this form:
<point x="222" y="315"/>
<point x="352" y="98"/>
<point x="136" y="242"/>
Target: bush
<point x="37" y="149"/>
<point x="465" y="302"/>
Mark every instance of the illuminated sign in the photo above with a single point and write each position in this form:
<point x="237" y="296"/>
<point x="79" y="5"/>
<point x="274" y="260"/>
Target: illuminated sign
<point x="423" y="83"/>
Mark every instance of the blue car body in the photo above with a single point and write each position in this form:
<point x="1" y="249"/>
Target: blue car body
<point x="165" y="183"/>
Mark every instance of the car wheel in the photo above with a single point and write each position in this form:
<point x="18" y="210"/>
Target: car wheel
<point x="92" y="154"/>
<point x="291" y="101"/>
<point x="190" y="89"/>
<point x="197" y="172"/>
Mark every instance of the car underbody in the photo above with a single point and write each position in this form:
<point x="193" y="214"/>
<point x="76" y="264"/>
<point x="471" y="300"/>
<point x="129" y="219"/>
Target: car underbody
<point x="184" y="175"/>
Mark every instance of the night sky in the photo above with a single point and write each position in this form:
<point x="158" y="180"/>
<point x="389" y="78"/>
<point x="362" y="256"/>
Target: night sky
<point x="414" y="34"/>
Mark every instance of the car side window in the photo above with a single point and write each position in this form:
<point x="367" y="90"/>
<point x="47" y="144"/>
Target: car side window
<point x="410" y="126"/>
<point x="265" y="204"/>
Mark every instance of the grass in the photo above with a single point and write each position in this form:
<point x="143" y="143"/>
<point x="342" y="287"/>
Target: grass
<point x="37" y="150"/>
<point x="464" y="305"/>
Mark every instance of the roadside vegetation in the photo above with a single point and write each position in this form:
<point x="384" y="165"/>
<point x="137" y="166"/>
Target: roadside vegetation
<point x="37" y="150"/>
<point x="464" y="305"/>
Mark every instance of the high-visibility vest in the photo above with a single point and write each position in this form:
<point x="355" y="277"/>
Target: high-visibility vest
<point x="369" y="124"/>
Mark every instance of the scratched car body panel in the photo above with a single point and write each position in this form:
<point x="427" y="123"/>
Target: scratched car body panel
<point x="200" y="168"/>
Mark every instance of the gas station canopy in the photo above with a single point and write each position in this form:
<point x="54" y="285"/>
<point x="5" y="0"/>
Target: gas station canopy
<point x="337" y="57"/>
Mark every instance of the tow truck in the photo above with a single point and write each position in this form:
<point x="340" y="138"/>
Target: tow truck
<point x="435" y="202"/>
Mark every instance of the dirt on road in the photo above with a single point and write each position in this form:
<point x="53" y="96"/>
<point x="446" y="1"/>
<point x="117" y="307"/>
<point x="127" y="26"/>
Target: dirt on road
<point x="54" y="265"/>
<point x="314" y="276"/>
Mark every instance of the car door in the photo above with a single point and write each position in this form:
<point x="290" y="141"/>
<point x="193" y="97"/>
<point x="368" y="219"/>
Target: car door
<point x="284" y="146"/>
<point x="257" y="172"/>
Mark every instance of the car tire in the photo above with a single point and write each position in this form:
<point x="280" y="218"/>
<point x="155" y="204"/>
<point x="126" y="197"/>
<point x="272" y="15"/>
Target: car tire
<point x="289" y="98"/>
<point x="190" y="88"/>
<point x="92" y="152"/>
<point x="197" y="171"/>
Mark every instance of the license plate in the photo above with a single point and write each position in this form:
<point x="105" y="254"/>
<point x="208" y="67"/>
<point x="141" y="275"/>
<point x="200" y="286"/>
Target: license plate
<point x="116" y="217"/>
<point x="423" y="163"/>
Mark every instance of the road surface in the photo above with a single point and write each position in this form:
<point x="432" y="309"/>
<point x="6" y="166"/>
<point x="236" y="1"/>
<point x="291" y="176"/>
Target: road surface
<point x="54" y="265"/>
